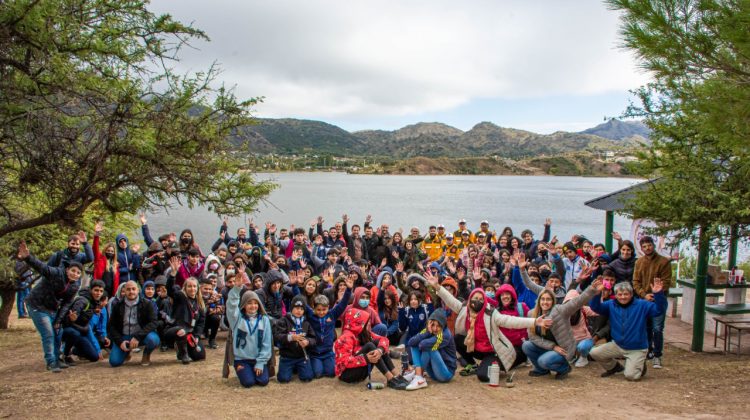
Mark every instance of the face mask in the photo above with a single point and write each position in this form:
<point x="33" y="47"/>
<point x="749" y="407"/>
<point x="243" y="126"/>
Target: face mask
<point x="476" y="305"/>
<point x="185" y="241"/>
<point x="364" y="303"/>
<point x="110" y="255"/>
<point x="230" y="273"/>
<point x="490" y="295"/>
<point x="213" y="267"/>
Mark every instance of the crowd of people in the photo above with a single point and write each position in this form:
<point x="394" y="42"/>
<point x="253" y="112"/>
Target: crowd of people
<point x="412" y="306"/>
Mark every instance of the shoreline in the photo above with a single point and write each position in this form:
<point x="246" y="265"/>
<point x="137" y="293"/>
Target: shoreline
<point x="447" y="173"/>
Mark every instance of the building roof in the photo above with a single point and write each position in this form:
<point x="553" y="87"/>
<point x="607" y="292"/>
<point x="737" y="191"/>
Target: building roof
<point x="616" y="200"/>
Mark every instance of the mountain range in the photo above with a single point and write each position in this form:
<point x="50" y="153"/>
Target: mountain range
<point x="295" y="136"/>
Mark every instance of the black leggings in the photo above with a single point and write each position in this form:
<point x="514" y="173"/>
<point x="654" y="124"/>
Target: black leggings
<point x="195" y="353"/>
<point x="384" y="365"/>
<point x="485" y="359"/>
<point x="212" y="326"/>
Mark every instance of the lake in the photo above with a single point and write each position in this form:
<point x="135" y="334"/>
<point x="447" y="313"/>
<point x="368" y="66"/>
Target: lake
<point x="404" y="201"/>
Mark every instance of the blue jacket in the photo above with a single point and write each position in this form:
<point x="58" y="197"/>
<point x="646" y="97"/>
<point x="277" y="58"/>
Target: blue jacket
<point x="126" y="257"/>
<point x="627" y="323"/>
<point x="524" y="294"/>
<point x="411" y="321"/>
<point x="443" y="344"/>
<point x="98" y="328"/>
<point x="325" y="327"/>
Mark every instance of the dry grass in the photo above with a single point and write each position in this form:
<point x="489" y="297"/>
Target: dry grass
<point x="690" y="385"/>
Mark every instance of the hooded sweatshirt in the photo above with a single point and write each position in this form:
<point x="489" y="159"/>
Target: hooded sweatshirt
<point x="374" y="318"/>
<point x="443" y="343"/>
<point x="347" y="346"/>
<point x="515" y="336"/>
<point x="578" y="321"/>
<point x="325" y="326"/>
<point x="251" y="334"/>
<point x="127" y="259"/>
<point x="274" y="301"/>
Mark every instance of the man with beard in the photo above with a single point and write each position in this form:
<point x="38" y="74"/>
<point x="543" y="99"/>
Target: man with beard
<point x="356" y="246"/>
<point x="72" y="252"/>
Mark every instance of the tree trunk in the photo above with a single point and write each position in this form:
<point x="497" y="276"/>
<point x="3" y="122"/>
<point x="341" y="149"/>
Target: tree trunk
<point x="8" y="297"/>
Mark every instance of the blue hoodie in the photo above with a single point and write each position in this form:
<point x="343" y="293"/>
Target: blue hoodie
<point x="443" y="344"/>
<point x="627" y="323"/>
<point x="325" y="327"/>
<point x="98" y="328"/>
<point x="126" y="257"/>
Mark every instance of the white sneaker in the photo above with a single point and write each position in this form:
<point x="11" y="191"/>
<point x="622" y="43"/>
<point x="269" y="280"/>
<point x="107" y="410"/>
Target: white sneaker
<point x="418" y="382"/>
<point x="409" y="375"/>
<point x="582" y="362"/>
<point x="657" y="363"/>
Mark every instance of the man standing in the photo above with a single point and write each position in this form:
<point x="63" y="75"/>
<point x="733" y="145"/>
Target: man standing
<point x="648" y="269"/>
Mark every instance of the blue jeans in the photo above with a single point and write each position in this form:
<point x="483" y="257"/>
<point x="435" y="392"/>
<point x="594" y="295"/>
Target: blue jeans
<point x="43" y="321"/>
<point x="432" y="363"/>
<point x="287" y="367"/>
<point x="20" y="296"/>
<point x="245" y="370"/>
<point x="545" y="360"/>
<point x="380" y="330"/>
<point x="584" y="347"/>
<point x="656" y="335"/>
<point x="323" y="364"/>
<point x="117" y="356"/>
<point x="79" y="344"/>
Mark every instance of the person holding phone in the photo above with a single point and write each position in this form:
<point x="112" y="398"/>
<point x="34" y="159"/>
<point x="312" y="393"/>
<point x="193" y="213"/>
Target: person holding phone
<point x="132" y="324"/>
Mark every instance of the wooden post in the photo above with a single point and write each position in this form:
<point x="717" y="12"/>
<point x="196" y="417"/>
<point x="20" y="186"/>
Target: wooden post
<point x="609" y="227"/>
<point x="699" y="308"/>
<point x="734" y="234"/>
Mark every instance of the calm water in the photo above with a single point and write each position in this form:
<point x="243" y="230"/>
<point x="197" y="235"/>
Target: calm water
<point x="404" y="201"/>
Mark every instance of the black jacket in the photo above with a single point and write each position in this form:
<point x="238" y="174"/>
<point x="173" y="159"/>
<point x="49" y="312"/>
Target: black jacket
<point x="292" y="349"/>
<point x="184" y="311"/>
<point x="272" y="303"/>
<point x="83" y="305"/>
<point x="53" y="289"/>
<point x="146" y="319"/>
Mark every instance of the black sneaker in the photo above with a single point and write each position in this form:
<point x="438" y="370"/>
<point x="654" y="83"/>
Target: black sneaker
<point x="617" y="369"/>
<point x="69" y="360"/>
<point x="536" y="374"/>
<point x="54" y="368"/>
<point x="212" y="344"/>
<point x="61" y="364"/>
<point x="163" y="348"/>
<point x="397" y="384"/>
<point x="561" y="375"/>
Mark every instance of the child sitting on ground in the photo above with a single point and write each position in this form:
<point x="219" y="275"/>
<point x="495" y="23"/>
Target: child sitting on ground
<point x="250" y="337"/>
<point x="433" y="351"/>
<point x="294" y="335"/>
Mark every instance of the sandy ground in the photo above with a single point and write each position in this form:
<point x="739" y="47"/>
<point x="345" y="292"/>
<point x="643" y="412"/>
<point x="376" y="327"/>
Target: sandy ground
<point x="690" y="385"/>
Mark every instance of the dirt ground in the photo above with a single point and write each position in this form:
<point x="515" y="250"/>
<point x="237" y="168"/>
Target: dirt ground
<point x="690" y="385"/>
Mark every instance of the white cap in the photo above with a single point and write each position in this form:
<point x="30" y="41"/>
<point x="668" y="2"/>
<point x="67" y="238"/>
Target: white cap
<point x="449" y="236"/>
<point x="484" y="222"/>
<point x="466" y="232"/>
<point x="441" y="226"/>
<point x="462" y="221"/>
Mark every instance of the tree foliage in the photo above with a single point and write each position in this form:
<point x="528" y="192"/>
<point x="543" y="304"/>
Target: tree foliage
<point x="92" y="113"/>
<point x="698" y="107"/>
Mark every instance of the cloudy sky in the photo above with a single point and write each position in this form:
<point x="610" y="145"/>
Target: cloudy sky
<point x="536" y="65"/>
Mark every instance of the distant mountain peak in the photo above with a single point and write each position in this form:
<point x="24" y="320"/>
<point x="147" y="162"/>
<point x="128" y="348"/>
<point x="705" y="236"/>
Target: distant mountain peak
<point x="615" y="129"/>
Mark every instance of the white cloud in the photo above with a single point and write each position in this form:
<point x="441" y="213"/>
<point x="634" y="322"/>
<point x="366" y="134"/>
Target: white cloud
<point x="353" y="59"/>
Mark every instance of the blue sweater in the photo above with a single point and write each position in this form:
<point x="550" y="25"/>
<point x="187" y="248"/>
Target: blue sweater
<point x="524" y="294"/>
<point x="627" y="324"/>
<point x="442" y="343"/>
<point x="411" y="321"/>
<point x="98" y="328"/>
<point x="325" y="327"/>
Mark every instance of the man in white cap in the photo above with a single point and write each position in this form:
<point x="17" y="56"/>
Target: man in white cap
<point x="458" y="234"/>
<point x="484" y="227"/>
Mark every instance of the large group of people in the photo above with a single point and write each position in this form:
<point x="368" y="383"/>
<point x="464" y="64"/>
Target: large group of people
<point x="340" y="300"/>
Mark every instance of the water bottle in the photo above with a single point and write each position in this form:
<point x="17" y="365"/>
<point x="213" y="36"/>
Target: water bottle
<point x="375" y="385"/>
<point x="494" y="373"/>
<point x="404" y="362"/>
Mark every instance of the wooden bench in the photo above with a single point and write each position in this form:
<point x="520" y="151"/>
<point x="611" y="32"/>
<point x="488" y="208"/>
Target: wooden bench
<point x="726" y="322"/>
<point x="676" y="292"/>
<point x="740" y="327"/>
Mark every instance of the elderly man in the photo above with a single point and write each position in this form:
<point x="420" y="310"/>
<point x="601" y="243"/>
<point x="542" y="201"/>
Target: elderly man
<point x="627" y="320"/>
<point x="132" y="324"/>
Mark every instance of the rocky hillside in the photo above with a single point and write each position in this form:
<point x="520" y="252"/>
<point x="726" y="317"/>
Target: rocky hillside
<point x="292" y="136"/>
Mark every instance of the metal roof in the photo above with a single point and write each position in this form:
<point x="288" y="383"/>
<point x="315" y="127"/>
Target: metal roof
<point x="616" y="200"/>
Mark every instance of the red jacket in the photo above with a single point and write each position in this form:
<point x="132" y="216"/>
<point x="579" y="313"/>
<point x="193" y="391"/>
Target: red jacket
<point x="347" y="345"/>
<point x="516" y="337"/>
<point x="374" y="317"/>
<point x="100" y="264"/>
